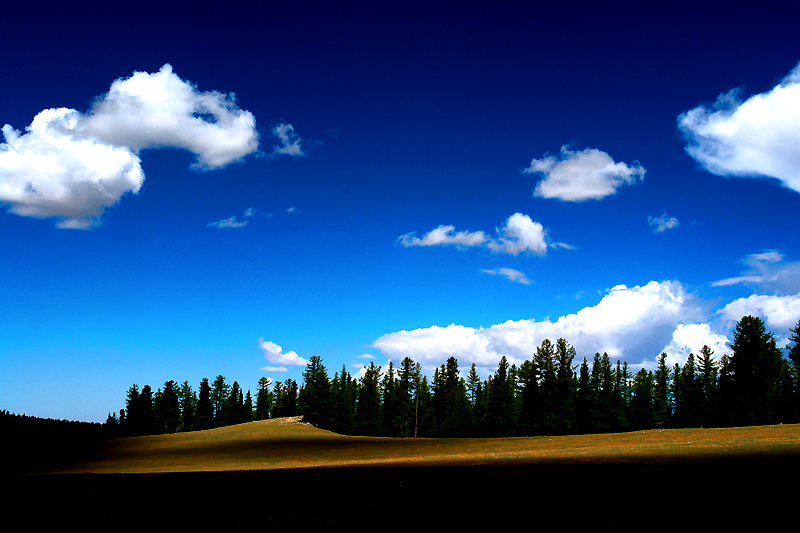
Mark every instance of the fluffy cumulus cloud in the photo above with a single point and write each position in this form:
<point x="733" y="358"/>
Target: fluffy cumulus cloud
<point x="662" y="223"/>
<point x="518" y="234"/>
<point x="53" y="171"/>
<point x="690" y="338"/>
<point x="73" y="165"/>
<point x="758" y="136"/>
<point x="162" y="110"/>
<point x="275" y="355"/>
<point x="588" y="174"/>
<point x="779" y="313"/>
<point x="768" y="271"/>
<point x="510" y="273"/>
<point x="632" y="323"/>
<point x="433" y="345"/>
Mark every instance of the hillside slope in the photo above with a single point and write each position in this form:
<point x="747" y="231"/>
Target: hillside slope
<point x="284" y="472"/>
<point x="289" y="443"/>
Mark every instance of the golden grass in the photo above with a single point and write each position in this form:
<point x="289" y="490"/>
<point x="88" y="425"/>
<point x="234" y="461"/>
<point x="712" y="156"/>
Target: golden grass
<point x="288" y="443"/>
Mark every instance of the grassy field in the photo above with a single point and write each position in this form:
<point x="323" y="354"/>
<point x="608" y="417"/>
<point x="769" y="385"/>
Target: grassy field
<point x="284" y="472"/>
<point x="289" y="443"/>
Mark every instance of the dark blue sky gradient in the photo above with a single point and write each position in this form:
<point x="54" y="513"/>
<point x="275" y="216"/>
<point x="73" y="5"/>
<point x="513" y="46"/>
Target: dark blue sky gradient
<point x="411" y="116"/>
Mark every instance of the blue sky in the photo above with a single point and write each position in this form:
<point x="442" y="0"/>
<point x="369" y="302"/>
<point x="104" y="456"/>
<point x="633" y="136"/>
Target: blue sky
<point x="187" y="192"/>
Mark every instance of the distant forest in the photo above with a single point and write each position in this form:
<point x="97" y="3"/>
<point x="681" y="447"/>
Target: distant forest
<point x="20" y="424"/>
<point x="550" y="394"/>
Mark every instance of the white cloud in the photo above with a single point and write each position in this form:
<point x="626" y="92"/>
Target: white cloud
<point x="52" y="171"/>
<point x="768" y="271"/>
<point x="232" y="222"/>
<point x="518" y="234"/>
<point x="589" y="174"/>
<point x="73" y="165"/>
<point x="274" y="369"/>
<point x="433" y="345"/>
<point x="162" y="110"/>
<point x="690" y="338"/>
<point x="757" y="137"/>
<point x="779" y="313"/>
<point x="227" y="223"/>
<point x="444" y="235"/>
<point x="632" y="323"/>
<point x="510" y="273"/>
<point x="290" y="141"/>
<point x="662" y="223"/>
<point x="275" y="355"/>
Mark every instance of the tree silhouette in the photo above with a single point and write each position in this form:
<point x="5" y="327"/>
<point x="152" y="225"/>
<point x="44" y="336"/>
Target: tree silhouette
<point x="756" y="369"/>
<point x="314" y="398"/>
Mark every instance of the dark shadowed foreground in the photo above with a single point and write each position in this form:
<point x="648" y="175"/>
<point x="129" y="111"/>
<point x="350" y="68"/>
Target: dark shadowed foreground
<point x="288" y="473"/>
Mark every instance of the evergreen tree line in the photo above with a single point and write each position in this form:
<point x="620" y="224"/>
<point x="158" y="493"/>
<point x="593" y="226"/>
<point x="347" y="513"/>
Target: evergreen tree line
<point x="175" y="407"/>
<point x="34" y="426"/>
<point x="548" y="394"/>
<point x="31" y="443"/>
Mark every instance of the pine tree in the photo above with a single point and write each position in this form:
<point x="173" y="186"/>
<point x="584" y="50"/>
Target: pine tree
<point x="707" y="374"/>
<point x="565" y="388"/>
<point x="188" y="400"/>
<point x="146" y="412"/>
<point x="219" y="394"/>
<point x="544" y="362"/>
<point x="168" y="409"/>
<point x="314" y="399"/>
<point x="233" y="408"/>
<point x="404" y="392"/>
<point x="425" y="413"/>
<point x="793" y="354"/>
<point x="688" y="397"/>
<point x="529" y="416"/>
<point x="514" y="385"/>
<point x="480" y="409"/>
<point x="662" y="404"/>
<point x="205" y="409"/>
<point x="112" y="423"/>
<point x="785" y="408"/>
<point x="473" y="383"/>
<point x="676" y="391"/>
<point x="247" y="411"/>
<point x="500" y="417"/>
<point x="725" y="402"/>
<point x="390" y="407"/>
<point x="263" y="399"/>
<point x="450" y="396"/>
<point x="438" y="399"/>
<point x="600" y="394"/>
<point x="279" y="400"/>
<point x="756" y="370"/>
<point x="582" y="406"/>
<point x="642" y="413"/>
<point x="368" y="405"/>
<point x="289" y="400"/>
<point x="620" y="396"/>
<point x="133" y="416"/>
<point x="344" y="390"/>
